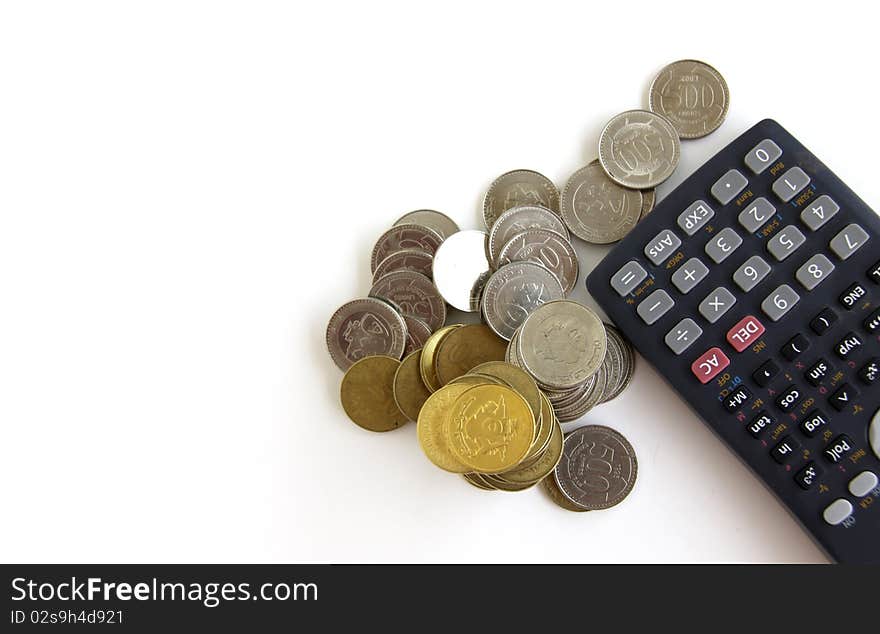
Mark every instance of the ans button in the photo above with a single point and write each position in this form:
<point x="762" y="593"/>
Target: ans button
<point x="863" y="484"/>
<point x="709" y="364"/>
<point x="744" y="333"/>
<point x="785" y="449"/>
<point x="808" y="476"/>
<point x="736" y="399"/>
<point x="837" y="511"/>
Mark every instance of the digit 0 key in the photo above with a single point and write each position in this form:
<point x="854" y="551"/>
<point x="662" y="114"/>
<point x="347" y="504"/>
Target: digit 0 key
<point x="768" y="316"/>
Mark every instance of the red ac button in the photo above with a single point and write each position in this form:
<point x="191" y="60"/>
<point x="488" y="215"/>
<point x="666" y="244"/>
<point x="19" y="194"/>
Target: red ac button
<point x="745" y="333"/>
<point x="709" y="364"/>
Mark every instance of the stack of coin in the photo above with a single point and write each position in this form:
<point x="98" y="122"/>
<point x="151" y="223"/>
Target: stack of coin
<point x="639" y="149"/>
<point x="493" y="426"/>
<point x="576" y="359"/>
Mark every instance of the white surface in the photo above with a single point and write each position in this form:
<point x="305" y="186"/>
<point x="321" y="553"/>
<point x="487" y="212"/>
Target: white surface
<point x="188" y="190"/>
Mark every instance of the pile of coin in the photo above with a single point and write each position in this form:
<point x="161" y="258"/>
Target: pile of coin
<point x="639" y="149"/>
<point x="579" y="361"/>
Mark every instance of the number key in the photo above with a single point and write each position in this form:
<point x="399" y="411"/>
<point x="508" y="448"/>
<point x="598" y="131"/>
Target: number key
<point x="751" y="273"/>
<point x="762" y="156"/>
<point x="791" y="184"/>
<point x="814" y="271"/>
<point x="786" y="242"/>
<point x="721" y="246"/>
<point x="779" y="302"/>
<point x="756" y="215"/>
<point x="819" y="212"/>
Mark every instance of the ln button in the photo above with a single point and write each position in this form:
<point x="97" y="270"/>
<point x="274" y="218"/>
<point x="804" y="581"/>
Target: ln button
<point x="744" y="333"/>
<point x="709" y="364"/>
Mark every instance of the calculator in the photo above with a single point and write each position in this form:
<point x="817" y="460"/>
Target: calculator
<point x="754" y="290"/>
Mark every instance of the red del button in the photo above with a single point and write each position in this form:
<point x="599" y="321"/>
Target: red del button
<point x="745" y="333"/>
<point x="709" y="364"/>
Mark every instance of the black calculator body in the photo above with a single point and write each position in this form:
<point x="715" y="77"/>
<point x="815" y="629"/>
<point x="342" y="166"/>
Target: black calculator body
<point x="754" y="290"/>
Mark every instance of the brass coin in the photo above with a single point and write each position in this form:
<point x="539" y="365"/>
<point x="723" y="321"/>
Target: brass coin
<point x="410" y="392"/>
<point x="474" y="379"/>
<point x="431" y="428"/>
<point x="499" y="484"/>
<point x="429" y="355"/>
<point x="558" y="498"/>
<point x="516" y="378"/>
<point x="367" y="394"/>
<point x="489" y="428"/>
<point x="545" y="431"/>
<point x="475" y="479"/>
<point x="545" y="464"/>
<point x="465" y="348"/>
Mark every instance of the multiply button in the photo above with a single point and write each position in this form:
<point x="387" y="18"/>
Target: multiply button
<point x="716" y="304"/>
<point x="736" y="399"/>
<point x="837" y="511"/>
<point x="785" y="449"/>
<point x="709" y="364"/>
<point x="838" y="449"/>
<point x="808" y="476"/>
<point x="661" y="247"/>
<point x="744" y="333"/>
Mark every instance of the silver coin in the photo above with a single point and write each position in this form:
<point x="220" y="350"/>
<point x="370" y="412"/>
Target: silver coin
<point x="519" y="219"/>
<point x="417" y="333"/>
<point x="513" y="292"/>
<point x="692" y="95"/>
<point x="439" y="222"/>
<point x="613" y="367"/>
<point x="547" y="248"/>
<point x="596" y="209"/>
<point x="414" y="294"/>
<point x="628" y="360"/>
<point x="649" y="197"/>
<point x="364" y="328"/>
<point x="562" y="344"/>
<point x="639" y="149"/>
<point x="406" y="260"/>
<point x="598" y="468"/>
<point x="461" y="269"/>
<point x="518" y="188"/>
<point x="590" y="398"/>
<point x="402" y="237"/>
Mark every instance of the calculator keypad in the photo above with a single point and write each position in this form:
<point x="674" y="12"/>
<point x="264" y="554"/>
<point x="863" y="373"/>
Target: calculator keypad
<point x="689" y="275"/>
<point x="661" y="247"/>
<point x="785" y="242"/>
<point x="722" y="245"/>
<point x="756" y="215"/>
<point x="791" y="184"/>
<point x="763" y="156"/>
<point x="814" y="271"/>
<point x="818" y="212"/>
<point x="695" y="217"/>
<point x="654" y="306"/>
<point x="751" y="273"/>
<point x="716" y="304"/>
<point x="779" y="302"/>
<point x="682" y="335"/>
<point x="848" y="241"/>
<point x="729" y="186"/>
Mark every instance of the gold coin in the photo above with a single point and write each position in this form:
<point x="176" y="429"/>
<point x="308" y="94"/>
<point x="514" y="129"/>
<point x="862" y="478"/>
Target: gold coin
<point x="427" y="363"/>
<point x="474" y="479"/>
<point x="499" y="484"/>
<point x="558" y="498"/>
<point x="431" y="424"/>
<point x="516" y="378"/>
<point x="367" y="394"/>
<point x="489" y="428"/>
<point x="410" y="392"/>
<point x="474" y="379"/>
<point x="543" y="467"/>
<point x="465" y="348"/>
<point x="548" y="419"/>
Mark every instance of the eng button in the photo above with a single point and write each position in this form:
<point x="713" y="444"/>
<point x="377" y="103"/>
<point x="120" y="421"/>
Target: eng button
<point x="709" y="364"/>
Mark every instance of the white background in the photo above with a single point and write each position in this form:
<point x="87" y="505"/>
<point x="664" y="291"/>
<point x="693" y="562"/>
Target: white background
<point x="188" y="190"/>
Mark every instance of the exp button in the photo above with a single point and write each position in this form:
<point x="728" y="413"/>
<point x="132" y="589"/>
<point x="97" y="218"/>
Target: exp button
<point x="709" y="364"/>
<point x="744" y="333"/>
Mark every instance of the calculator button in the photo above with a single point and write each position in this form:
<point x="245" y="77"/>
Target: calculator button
<point x="789" y="398"/>
<point x="817" y="372"/>
<point x="851" y="297"/>
<point x="628" y="277"/>
<point x="785" y="449"/>
<point x="796" y="346"/>
<point x="838" y="449"/>
<point x="791" y="184"/>
<point x="744" y="333"/>
<point x="716" y="304"/>
<point x="751" y="273"/>
<point x="843" y="397"/>
<point x="823" y="321"/>
<point x="689" y="275"/>
<point x="814" y="271"/>
<point x="729" y="186"/>
<point x="874" y="273"/>
<point x="863" y="484"/>
<point x="737" y="398"/>
<point x="760" y="423"/>
<point x="808" y="476"/>
<point x="874" y="433"/>
<point x="848" y="241"/>
<point x="786" y="242"/>
<point x="849" y="344"/>
<point x="765" y="373"/>
<point x="818" y="212"/>
<point x="682" y="335"/>
<point x="870" y="372"/>
<point x="837" y="511"/>
<point x="815" y="422"/>
<point x="695" y="216"/>
<point x="872" y="322"/>
<point x="756" y="215"/>
<point x="654" y="306"/>
<point x="762" y="156"/>
<point x="726" y="242"/>
<point x="709" y="364"/>
<point x="662" y="246"/>
<point x="779" y="302"/>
